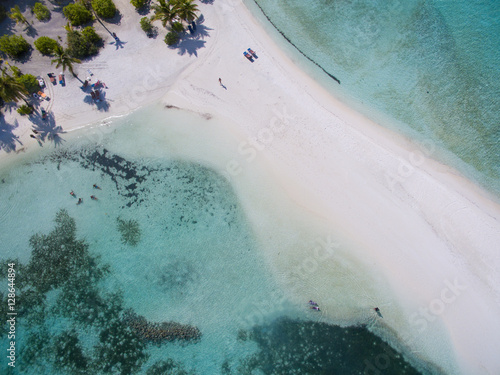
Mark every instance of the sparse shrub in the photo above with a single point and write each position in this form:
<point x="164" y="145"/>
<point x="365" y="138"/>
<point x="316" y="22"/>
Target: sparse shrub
<point x="16" y="72"/>
<point x="104" y="8"/>
<point x="177" y="27"/>
<point x="14" y="45"/>
<point x="45" y="45"/>
<point x="79" y="46"/>
<point x="77" y="14"/>
<point x="42" y="13"/>
<point x="171" y="38"/>
<point x="146" y="25"/>
<point x="25" y="110"/>
<point x="29" y="81"/>
<point x="138" y="4"/>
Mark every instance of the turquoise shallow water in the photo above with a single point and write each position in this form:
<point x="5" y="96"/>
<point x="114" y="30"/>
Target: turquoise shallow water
<point x="429" y="69"/>
<point x="162" y="274"/>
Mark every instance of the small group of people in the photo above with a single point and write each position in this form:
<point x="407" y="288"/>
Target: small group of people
<point x="313" y="305"/>
<point x="80" y="200"/>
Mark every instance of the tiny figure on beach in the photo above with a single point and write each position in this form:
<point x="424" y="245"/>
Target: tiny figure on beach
<point x="312" y="303"/>
<point x="34" y="131"/>
<point x="96" y="187"/>
<point x="220" y="81"/>
<point x="315" y="308"/>
<point x="32" y="136"/>
<point x="93" y="197"/>
<point x="194" y="25"/>
<point x="114" y="36"/>
<point x="72" y="194"/>
<point x="377" y="310"/>
<point x="80" y="201"/>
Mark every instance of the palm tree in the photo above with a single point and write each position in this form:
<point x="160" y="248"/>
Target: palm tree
<point x="10" y="89"/>
<point x="164" y="11"/>
<point x="17" y="15"/>
<point x="186" y="10"/>
<point x="63" y="59"/>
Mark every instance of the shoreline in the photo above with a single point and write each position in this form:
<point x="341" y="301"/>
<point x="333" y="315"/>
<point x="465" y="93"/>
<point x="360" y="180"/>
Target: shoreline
<point x="416" y="223"/>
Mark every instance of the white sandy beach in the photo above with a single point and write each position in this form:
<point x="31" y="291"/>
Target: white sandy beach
<point x="422" y="240"/>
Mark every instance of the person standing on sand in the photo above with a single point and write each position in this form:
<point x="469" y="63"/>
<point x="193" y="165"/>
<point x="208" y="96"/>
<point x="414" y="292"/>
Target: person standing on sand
<point x="220" y="81"/>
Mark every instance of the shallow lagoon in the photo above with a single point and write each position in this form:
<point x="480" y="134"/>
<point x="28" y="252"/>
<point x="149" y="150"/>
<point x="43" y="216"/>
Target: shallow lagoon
<point x="166" y="241"/>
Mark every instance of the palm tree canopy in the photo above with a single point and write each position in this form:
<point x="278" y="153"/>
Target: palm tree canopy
<point x="10" y="89"/>
<point x="17" y="15"/>
<point x="164" y="11"/>
<point x="63" y="59"/>
<point x="186" y="10"/>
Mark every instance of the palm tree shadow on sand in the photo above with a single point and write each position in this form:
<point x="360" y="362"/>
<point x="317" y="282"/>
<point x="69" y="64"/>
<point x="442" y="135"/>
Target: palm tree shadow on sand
<point x="47" y="129"/>
<point x="101" y="105"/>
<point x="191" y="43"/>
<point x="8" y="140"/>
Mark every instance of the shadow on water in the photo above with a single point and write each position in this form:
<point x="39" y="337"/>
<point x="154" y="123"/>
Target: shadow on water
<point x="8" y="139"/>
<point x="47" y="129"/>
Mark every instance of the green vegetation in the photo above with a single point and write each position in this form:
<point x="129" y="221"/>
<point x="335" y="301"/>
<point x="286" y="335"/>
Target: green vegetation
<point x="77" y="14"/>
<point x="46" y="45"/>
<point x="164" y="12"/>
<point x="168" y="10"/>
<point x="63" y="58"/>
<point x="25" y="110"/>
<point x="185" y="10"/>
<point x="14" y="45"/>
<point x="146" y="25"/>
<point x="171" y="38"/>
<point x="83" y="44"/>
<point x="15" y="70"/>
<point x="29" y="82"/>
<point x="10" y="89"/>
<point x="138" y="4"/>
<point x="104" y="8"/>
<point x="130" y="231"/>
<point x="42" y="13"/>
<point x="177" y="27"/>
<point x="90" y="35"/>
<point x="17" y="15"/>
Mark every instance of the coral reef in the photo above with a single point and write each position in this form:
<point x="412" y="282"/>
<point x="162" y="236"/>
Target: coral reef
<point x="158" y="333"/>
